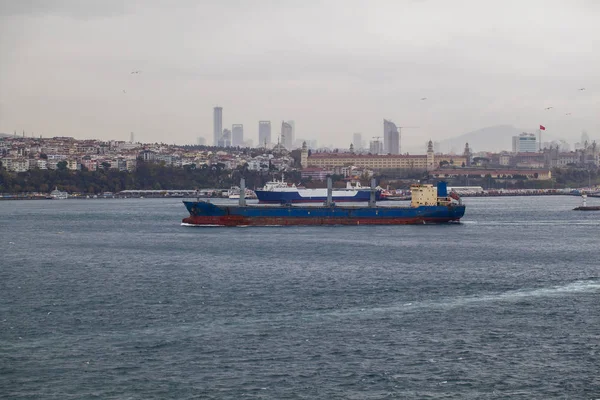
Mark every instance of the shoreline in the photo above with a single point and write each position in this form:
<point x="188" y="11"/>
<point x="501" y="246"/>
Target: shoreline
<point x="499" y="194"/>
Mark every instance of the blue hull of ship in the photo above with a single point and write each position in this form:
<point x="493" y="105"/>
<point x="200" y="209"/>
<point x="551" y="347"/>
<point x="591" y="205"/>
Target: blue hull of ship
<point x="204" y="213"/>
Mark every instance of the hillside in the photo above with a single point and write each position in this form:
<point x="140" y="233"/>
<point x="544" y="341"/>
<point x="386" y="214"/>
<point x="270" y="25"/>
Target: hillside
<point x="493" y="138"/>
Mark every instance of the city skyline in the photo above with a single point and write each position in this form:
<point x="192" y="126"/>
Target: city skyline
<point x="447" y="68"/>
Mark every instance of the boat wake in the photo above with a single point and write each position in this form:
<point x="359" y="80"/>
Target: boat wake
<point x="535" y="223"/>
<point x="581" y="286"/>
<point x="204" y="226"/>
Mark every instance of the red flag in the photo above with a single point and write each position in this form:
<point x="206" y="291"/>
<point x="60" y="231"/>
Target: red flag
<point x="542" y="128"/>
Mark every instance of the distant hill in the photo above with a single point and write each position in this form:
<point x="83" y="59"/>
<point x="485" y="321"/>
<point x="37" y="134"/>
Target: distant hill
<point x="493" y="138"/>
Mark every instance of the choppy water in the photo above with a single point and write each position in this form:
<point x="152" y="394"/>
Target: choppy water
<point x="113" y="299"/>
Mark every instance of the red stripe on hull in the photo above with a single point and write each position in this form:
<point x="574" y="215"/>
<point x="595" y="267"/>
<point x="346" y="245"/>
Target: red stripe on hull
<point x="313" y="201"/>
<point x="232" y="220"/>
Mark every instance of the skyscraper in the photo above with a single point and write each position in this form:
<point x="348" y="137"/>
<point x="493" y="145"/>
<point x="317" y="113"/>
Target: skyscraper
<point x="375" y="147"/>
<point x="264" y="133"/>
<point x="237" y="135"/>
<point x="292" y="135"/>
<point x="357" y="141"/>
<point x="391" y="138"/>
<point x="225" y="139"/>
<point x="287" y="138"/>
<point x="217" y="125"/>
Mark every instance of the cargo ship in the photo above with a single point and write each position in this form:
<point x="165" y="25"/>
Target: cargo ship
<point x="280" y="192"/>
<point x="429" y="204"/>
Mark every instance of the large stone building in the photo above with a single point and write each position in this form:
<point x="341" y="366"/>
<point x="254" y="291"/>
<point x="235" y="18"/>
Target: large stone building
<point x="368" y="161"/>
<point x="538" y="174"/>
<point x="423" y="162"/>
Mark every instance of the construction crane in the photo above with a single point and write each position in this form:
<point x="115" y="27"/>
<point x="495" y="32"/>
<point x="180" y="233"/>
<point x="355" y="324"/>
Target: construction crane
<point x="400" y="135"/>
<point x="407" y="127"/>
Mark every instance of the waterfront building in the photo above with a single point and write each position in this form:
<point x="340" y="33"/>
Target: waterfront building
<point x="374" y="161"/>
<point x="524" y="143"/>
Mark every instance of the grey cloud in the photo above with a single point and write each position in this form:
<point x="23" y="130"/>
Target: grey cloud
<point x="71" y="8"/>
<point x="334" y="66"/>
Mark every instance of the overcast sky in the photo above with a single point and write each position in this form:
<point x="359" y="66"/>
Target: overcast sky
<point x="335" y="67"/>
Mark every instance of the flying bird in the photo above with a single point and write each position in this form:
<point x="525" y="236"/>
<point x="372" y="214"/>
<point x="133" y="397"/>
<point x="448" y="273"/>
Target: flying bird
<point x="581" y="88"/>
<point x="423" y="98"/>
<point x="136" y="72"/>
<point x="124" y="91"/>
<point x="568" y="114"/>
<point x="548" y="108"/>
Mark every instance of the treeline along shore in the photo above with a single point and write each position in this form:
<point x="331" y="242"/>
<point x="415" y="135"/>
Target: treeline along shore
<point x="153" y="176"/>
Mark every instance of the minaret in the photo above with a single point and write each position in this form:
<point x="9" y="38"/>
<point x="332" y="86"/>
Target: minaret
<point x="430" y="156"/>
<point x="304" y="155"/>
<point x="351" y="148"/>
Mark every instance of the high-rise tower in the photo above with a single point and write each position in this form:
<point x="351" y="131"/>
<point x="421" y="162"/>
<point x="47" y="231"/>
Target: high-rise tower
<point x="237" y="135"/>
<point x="292" y="135"/>
<point x="286" y="135"/>
<point x="217" y="124"/>
<point x="225" y="139"/>
<point x="391" y="138"/>
<point x="357" y="141"/>
<point x="264" y="133"/>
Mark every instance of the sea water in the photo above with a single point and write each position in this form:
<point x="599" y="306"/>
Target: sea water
<point x="114" y="299"/>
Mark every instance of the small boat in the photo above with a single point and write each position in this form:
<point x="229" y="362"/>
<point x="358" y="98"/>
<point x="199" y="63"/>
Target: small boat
<point x="234" y="193"/>
<point x="58" y="195"/>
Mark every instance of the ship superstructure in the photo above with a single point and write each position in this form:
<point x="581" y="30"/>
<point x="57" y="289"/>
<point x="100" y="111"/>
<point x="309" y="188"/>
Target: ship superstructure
<point x="280" y="192"/>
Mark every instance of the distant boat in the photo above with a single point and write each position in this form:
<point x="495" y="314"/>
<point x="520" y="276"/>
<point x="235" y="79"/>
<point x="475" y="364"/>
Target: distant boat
<point x="281" y="192"/>
<point x="234" y="193"/>
<point x="58" y="195"/>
